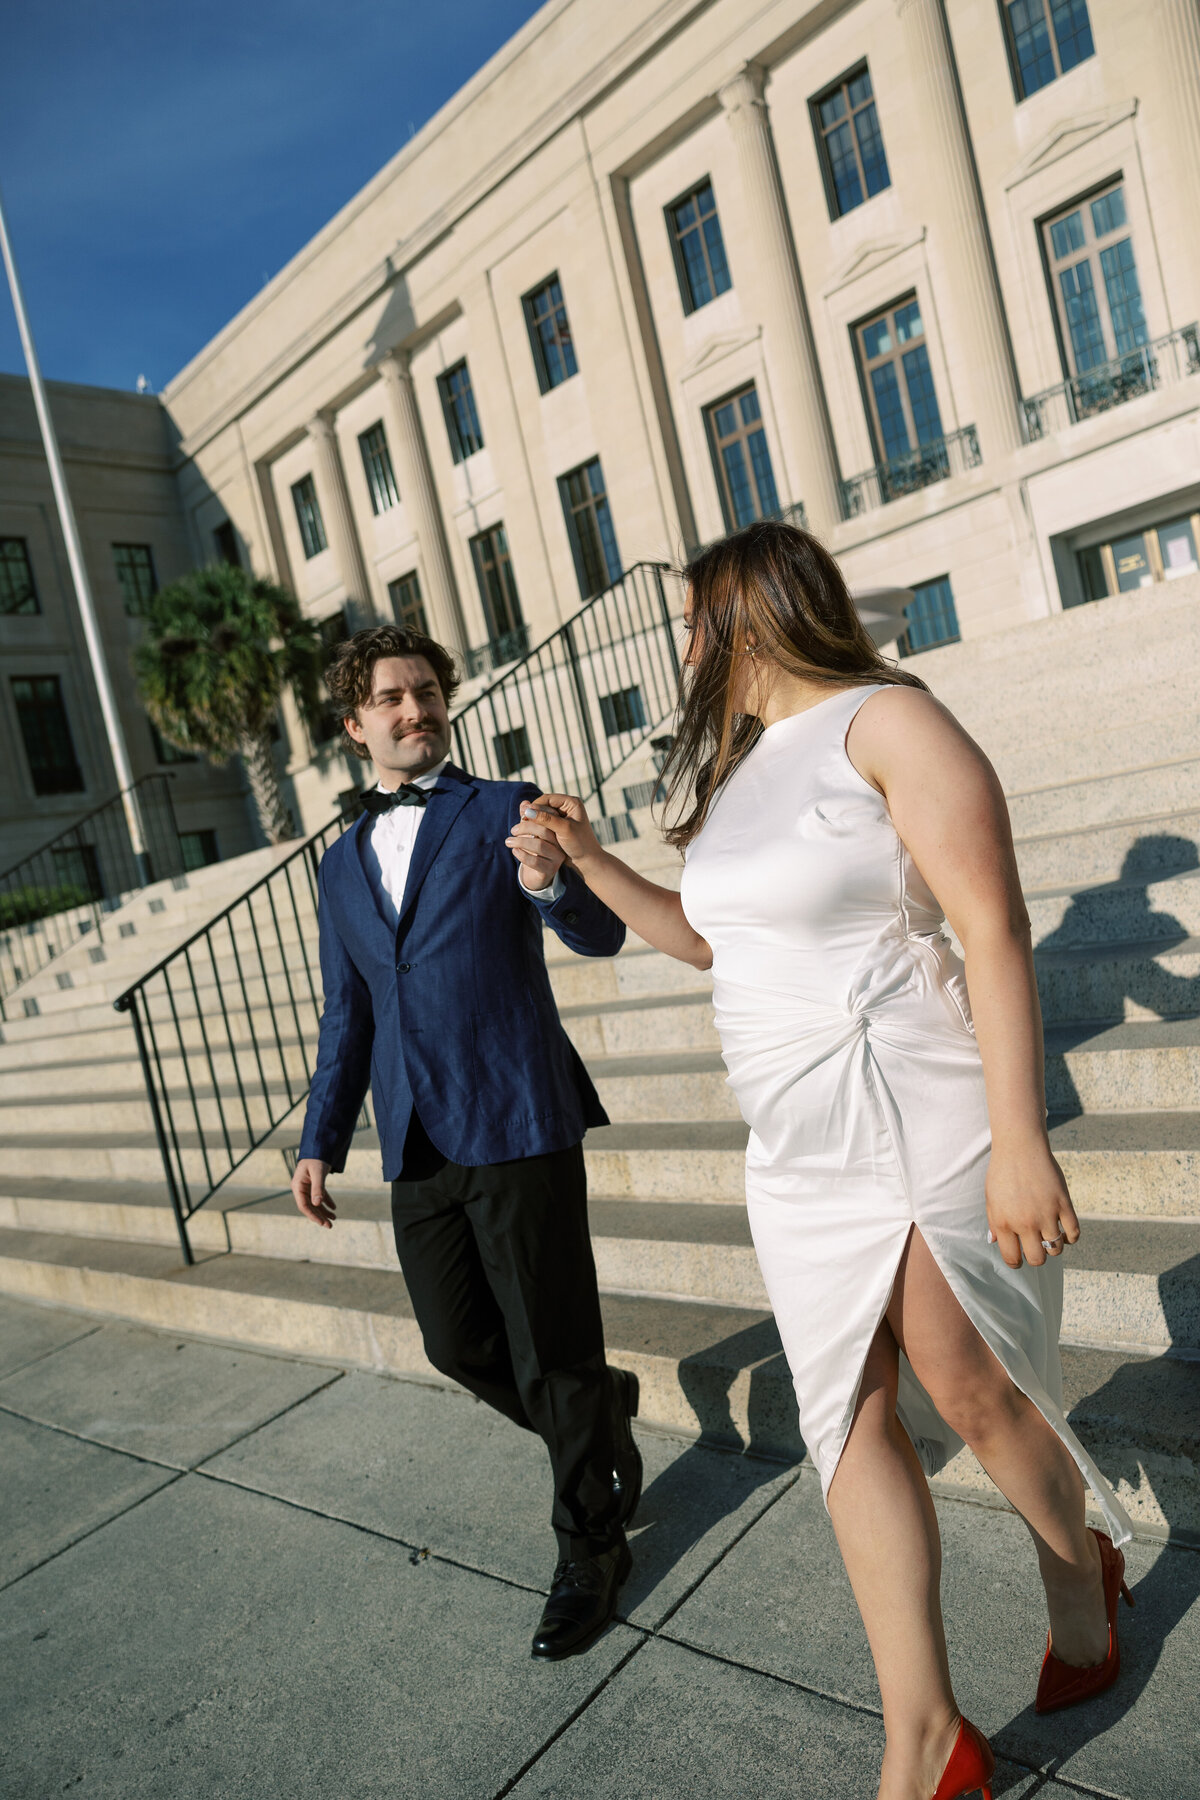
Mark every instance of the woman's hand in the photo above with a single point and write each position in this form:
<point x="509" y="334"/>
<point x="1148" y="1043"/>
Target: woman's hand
<point x="558" y="820"/>
<point x="1028" y="1205"/>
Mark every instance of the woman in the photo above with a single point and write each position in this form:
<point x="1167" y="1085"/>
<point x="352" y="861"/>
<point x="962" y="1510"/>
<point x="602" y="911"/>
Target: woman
<point x="906" y="1209"/>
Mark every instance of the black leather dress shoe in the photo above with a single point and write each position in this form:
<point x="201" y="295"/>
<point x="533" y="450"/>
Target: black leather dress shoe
<point x="627" y="1458"/>
<point x="582" y="1601"/>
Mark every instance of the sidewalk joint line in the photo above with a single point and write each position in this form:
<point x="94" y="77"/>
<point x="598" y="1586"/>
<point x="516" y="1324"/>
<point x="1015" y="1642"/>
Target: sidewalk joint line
<point x="571" y="1718"/>
<point x="174" y="1476"/>
<point x="89" y="1331"/>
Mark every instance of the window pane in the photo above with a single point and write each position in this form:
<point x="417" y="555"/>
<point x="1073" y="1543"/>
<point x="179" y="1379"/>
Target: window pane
<point x="843" y="166"/>
<point x="135" y="572"/>
<point x="1178" y="547"/>
<point x="932" y="618"/>
<point x="377" y="466"/>
<point x="1133" y="563"/>
<point x="1072" y="31"/>
<point x="308" y="516"/>
<point x="750" y="409"/>
<point x="908" y="323"/>
<point x="890" y="411"/>
<point x="1124" y="296"/>
<point x="1083" y="317"/>
<point x="831" y="110"/>
<point x="921" y="396"/>
<point x="764" y="475"/>
<point x="859" y="89"/>
<point x="458" y="404"/>
<point x="695" y="270"/>
<point x="870" y="148"/>
<point x="737" y="477"/>
<point x="1031" y="42"/>
<point x="715" y="245"/>
<point x="685" y="215"/>
<point x="1066" y="235"/>
<point x="198" y="848"/>
<point x="17" y="592"/>
<point x="725" y="419"/>
<point x="1108" y="213"/>
<point x="405" y="595"/>
<point x="877" y="340"/>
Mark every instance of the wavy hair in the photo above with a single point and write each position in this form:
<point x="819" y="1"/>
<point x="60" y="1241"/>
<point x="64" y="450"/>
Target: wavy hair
<point x="350" y="670"/>
<point x="777" y="588"/>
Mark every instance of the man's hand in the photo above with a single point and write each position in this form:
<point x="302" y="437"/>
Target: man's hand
<point x="536" y="848"/>
<point x="310" y="1194"/>
<point x="559" y="824"/>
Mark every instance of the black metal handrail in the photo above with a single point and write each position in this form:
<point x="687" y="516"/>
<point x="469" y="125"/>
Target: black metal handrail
<point x="573" y="709"/>
<point x="62" y="891"/>
<point x="226" y="1028"/>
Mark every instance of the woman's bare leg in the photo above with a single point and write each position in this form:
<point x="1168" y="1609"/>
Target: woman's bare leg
<point x="1024" y="1456"/>
<point x="886" y="1528"/>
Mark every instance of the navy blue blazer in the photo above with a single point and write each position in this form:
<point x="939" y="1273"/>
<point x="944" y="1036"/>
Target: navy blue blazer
<point x="452" y="1013"/>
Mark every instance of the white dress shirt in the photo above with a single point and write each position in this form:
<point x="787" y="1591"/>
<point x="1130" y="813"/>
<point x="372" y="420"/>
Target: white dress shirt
<point x="393" y="835"/>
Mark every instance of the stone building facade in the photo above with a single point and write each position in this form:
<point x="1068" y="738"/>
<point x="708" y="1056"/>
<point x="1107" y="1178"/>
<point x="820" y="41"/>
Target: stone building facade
<point x="121" y="465"/>
<point x="923" y="272"/>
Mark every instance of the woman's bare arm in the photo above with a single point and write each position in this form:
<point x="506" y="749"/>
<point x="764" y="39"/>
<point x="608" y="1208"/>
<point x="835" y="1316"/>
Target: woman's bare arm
<point x="948" y="807"/>
<point x="654" y="912"/>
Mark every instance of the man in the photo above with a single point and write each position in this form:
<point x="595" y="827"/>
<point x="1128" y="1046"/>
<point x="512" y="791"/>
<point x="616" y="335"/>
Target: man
<point x="437" y="998"/>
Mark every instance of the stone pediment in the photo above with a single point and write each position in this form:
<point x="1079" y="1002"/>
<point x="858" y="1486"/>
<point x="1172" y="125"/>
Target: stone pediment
<point x="1067" y="135"/>
<point x="716" y="348"/>
<point x="868" y="256"/>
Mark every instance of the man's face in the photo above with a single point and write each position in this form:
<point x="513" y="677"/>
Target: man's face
<point x="404" y="724"/>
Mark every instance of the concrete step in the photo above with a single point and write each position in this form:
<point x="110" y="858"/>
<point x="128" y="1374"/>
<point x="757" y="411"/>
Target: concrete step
<point x="1145" y="903"/>
<point x="1114" y="982"/>
<point x="1090" y="854"/>
<point x="1147" y="1067"/>
<point x="1103" y="799"/>
<point x="714" y="1370"/>
<point x="1128" y="1283"/>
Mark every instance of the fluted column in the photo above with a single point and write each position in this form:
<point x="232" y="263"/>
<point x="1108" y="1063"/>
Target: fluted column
<point x="968" y="299"/>
<point x="1179" y="62"/>
<point x="415" y="478"/>
<point x="775" y="289"/>
<point x="335" y="510"/>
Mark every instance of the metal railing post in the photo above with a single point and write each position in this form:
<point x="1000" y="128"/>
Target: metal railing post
<point x="185" y="1243"/>
<point x="584" y="717"/>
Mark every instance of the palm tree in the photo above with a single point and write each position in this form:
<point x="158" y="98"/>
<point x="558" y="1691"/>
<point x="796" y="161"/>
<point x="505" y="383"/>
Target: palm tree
<point x="219" y="648"/>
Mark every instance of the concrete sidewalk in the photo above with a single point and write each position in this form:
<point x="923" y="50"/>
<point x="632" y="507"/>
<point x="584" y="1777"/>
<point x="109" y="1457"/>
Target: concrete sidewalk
<point x="232" y="1574"/>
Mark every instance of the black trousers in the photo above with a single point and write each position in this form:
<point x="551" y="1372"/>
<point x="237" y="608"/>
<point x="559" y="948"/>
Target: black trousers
<point x="499" y="1268"/>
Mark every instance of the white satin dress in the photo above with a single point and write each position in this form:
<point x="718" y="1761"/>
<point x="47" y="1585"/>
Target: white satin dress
<point x="845" y="1026"/>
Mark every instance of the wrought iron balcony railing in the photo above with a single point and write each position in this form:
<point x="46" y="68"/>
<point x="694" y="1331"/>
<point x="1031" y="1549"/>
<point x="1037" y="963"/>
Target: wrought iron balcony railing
<point x="919" y="468"/>
<point x="507" y="648"/>
<point x="1165" y="361"/>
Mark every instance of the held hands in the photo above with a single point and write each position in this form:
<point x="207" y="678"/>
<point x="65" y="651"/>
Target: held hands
<point x="311" y="1195"/>
<point x="551" y="830"/>
<point x="1028" y="1206"/>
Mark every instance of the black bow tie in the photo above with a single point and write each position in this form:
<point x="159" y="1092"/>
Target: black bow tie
<point x="377" y="800"/>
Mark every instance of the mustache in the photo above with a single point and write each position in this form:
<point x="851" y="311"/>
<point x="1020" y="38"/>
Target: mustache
<point x="403" y="731"/>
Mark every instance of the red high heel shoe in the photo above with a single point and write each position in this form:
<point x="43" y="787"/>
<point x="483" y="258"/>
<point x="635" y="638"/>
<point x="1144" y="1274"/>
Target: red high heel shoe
<point x="971" y="1766"/>
<point x="1061" y="1684"/>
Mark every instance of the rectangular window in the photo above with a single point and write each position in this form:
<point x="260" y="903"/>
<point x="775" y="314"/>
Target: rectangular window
<point x="49" y="747"/>
<point x="742" y="458"/>
<point x="308" y="517"/>
<point x="168" y="753"/>
<point x="198" y="849"/>
<point x="550" y="335"/>
<point x="458" y="404"/>
<point x="700" y="260"/>
<point x="377" y="466"/>
<point x="18" y="596"/>
<point x="135" y="572"/>
<point x="512" y="751"/>
<point x="1045" y="38"/>
<point x="225" y="539"/>
<point x="590" y="528"/>
<point x="497" y="586"/>
<point x="1141" y="559"/>
<point x="407" y="605"/>
<point x="850" y="143"/>
<point x="902" y="407"/>
<point x="931" y="617"/>
<point x="622" y="711"/>
<point x="1094" y="282"/>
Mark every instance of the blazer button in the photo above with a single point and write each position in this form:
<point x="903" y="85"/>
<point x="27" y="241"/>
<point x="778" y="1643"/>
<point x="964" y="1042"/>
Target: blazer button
<point x="570" y="917"/>
<point x="403" y="968"/>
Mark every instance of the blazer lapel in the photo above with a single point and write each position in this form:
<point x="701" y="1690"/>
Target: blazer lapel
<point x="447" y="800"/>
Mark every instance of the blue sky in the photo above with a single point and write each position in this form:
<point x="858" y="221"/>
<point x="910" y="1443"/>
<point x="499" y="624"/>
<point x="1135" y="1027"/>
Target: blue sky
<point x="160" y="159"/>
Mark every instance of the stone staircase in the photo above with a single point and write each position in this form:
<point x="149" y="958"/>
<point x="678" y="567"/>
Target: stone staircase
<point x="1093" y="720"/>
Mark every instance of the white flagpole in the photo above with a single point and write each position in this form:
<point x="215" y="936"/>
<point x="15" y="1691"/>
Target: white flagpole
<point x="79" y="574"/>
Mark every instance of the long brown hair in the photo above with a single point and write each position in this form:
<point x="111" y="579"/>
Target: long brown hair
<point x="775" y="588"/>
